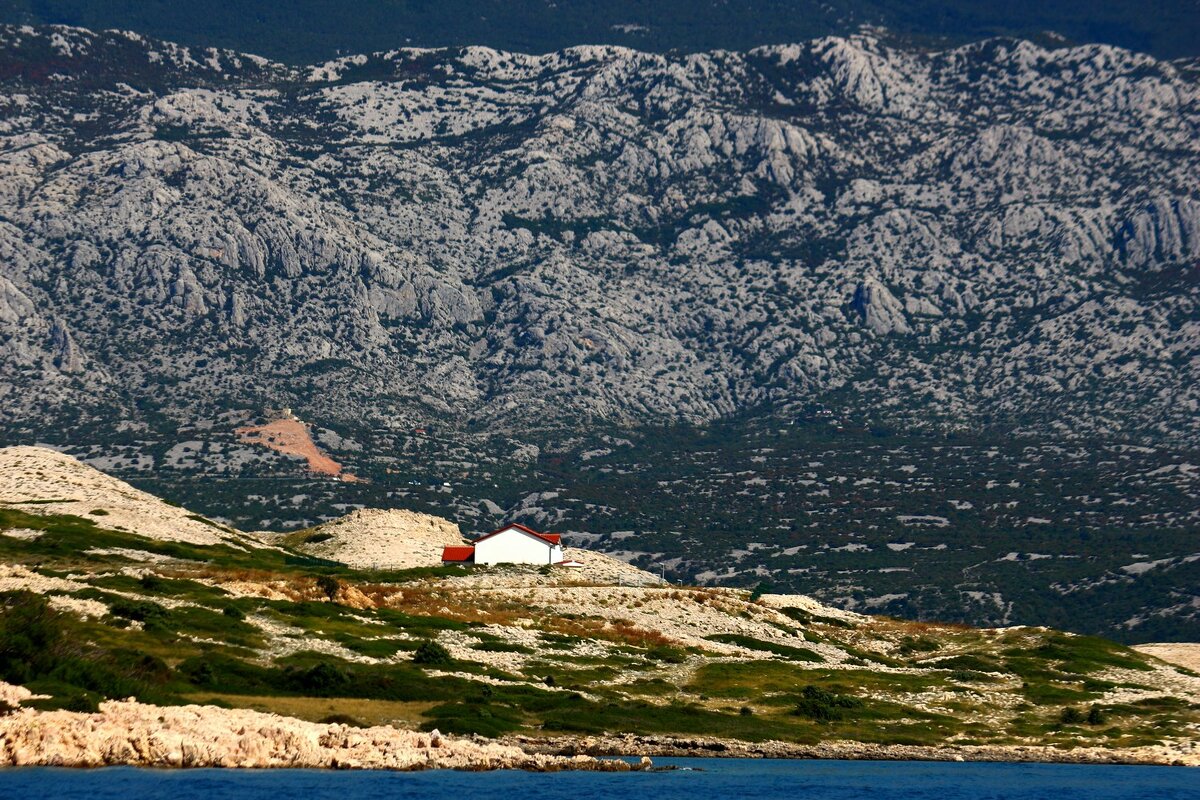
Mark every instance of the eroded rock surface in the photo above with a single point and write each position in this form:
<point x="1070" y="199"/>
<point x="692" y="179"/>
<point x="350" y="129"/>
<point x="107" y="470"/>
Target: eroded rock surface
<point x="135" y="734"/>
<point x="599" y="233"/>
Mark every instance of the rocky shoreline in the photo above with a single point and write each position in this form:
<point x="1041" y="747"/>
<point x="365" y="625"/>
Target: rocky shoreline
<point x="1186" y="754"/>
<point x="128" y="733"/>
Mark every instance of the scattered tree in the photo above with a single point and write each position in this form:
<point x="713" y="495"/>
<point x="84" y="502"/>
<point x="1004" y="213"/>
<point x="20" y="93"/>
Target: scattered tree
<point x="330" y="586"/>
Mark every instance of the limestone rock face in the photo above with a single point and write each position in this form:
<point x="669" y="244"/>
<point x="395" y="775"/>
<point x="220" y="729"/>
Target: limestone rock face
<point x="134" y="734"/>
<point x="880" y="310"/>
<point x="382" y="539"/>
<point x="598" y="233"/>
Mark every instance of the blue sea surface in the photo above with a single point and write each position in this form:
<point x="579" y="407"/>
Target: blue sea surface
<point x="696" y="779"/>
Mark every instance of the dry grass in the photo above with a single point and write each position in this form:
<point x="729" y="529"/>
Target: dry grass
<point x="371" y="712"/>
<point x="916" y="627"/>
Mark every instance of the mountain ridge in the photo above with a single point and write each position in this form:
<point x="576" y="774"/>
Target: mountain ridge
<point x="941" y="300"/>
<point x="799" y="233"/>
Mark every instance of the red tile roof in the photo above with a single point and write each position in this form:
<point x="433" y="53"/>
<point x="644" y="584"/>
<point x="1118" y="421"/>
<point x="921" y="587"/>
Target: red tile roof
<point x="552" y="538"/>
<point x="458" y="554"/>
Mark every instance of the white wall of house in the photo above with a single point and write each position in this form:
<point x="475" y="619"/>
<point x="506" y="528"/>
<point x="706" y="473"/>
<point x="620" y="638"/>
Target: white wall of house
<point x="513" y="546"/>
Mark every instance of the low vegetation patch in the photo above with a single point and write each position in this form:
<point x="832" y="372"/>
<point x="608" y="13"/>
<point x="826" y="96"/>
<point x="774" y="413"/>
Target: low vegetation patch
<point x="750" y="643"/>
<point x="823" y="705"/>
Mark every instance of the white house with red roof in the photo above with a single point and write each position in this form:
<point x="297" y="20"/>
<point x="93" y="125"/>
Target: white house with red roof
<point x="512" y="544"/>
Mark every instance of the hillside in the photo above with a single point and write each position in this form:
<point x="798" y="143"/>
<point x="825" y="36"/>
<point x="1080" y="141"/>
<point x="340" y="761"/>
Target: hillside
<point x="545" y="657"/>
<point x="46" y="483"/>
<point x="378" y="539"/>
<point x="923" y="310"/>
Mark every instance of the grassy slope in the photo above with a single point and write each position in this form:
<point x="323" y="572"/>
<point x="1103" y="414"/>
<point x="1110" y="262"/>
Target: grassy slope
<point x="175" y="634"/>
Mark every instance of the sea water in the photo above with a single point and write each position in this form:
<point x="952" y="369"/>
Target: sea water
<point x="693" y="779"/>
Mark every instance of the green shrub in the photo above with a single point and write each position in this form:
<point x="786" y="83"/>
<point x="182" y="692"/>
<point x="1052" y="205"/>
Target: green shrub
<point x="151" y="582"/>
<point x="1071" y="716"/>
<point x="501" y="647"/>
<point x="233" y="612"/>
<point x="750" y="643"/>
<point x="83" y="702"/>
<point x="138" y="610"/>
<point x="32" y="636"/>
<point x="320" y="679"/>
<point x="967" y="661"/>
<point x="317" y="675"/>
<point x="1096" y="716"/>
<point x="43" y="649"/>
<point x="430" y="652"/>
<point x="823" y="705"/>
<point x="910" y="645"/>
<point x="802" y="616"/>
<point x="665" y="654"/>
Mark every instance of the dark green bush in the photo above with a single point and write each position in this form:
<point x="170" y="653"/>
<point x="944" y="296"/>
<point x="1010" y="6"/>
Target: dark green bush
<point x="41" y="648"/>
<point x="968" y="661"/>
<point x="823" y="705"/>
<point x="139" y="610"/>
<point x="910" y="645"/>
<point x="151" y="582"/>
<point x="430" y="652"/>
<point x="1071" y="716"/>
<point x="749" y="642"/>
<point x="319" y="679"/>
<point x="32" y="636"/>
<point x="501" y="647"/>
<point x="83" y="702"/>
<point x="665" y="654"/>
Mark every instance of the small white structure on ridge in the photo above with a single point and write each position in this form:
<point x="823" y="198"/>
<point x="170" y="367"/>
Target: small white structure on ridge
<point x="512" y="544"/>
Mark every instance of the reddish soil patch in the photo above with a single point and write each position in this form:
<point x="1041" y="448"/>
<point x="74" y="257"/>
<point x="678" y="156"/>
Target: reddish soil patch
<point x="290" y="437"/>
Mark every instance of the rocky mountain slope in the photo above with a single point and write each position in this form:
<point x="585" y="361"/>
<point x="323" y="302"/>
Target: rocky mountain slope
<point x="995" y="232"/>
<point x="546" y="657"/>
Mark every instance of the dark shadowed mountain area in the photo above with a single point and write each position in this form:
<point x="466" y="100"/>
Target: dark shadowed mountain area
<point x="313" y="30"/>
